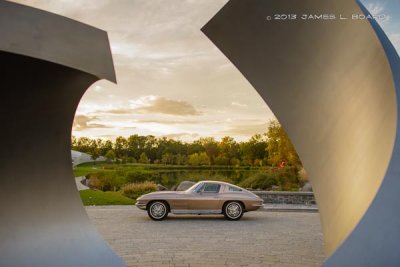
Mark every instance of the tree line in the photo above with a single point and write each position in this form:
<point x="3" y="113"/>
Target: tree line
<point x="273" y="148"/>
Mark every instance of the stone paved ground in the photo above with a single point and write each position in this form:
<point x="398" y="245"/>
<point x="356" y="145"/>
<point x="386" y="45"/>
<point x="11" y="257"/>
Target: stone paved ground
<point x="259" y="239"/>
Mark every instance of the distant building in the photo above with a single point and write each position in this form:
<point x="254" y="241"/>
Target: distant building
<point x="80" y="157"/>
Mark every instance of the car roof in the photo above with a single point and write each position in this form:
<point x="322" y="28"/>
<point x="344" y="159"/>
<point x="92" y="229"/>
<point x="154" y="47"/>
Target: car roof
<point x="224" y="183"/>
<point x="217" y="182"/>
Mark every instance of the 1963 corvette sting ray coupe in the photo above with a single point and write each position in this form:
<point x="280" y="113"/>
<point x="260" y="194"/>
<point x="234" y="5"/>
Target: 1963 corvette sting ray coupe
<point x="206" y="197"/>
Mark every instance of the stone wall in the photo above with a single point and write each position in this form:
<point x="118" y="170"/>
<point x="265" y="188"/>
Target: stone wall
<point x="275" y="197"/>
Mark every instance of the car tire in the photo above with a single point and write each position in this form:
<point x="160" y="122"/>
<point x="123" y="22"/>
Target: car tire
<point x="157" y="210"/>
<point x="233" y="210"/>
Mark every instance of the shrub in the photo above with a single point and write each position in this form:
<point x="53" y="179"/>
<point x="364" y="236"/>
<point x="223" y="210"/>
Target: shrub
<point x="260" y="181"/>
<point x="144" y="159"/>
<point x="105" y="181"/>
<point x="286" y="178"/>
<point x="221" y="160"/>
<point x="135" y="190"/>
<point x="131" y="160"/>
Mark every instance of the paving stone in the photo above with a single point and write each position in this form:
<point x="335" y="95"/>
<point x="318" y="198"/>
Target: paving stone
<point x="259" y="239"/>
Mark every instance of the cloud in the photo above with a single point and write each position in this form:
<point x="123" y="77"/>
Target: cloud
<point x="82" y="122"/>
<point x="376" y="9"/>
<point x="117" y="111"/>
<point x="107" y="137"/>
<point x="155" y="104"/>
<point x="246" y="129"/>
<point x="395" y="39"/>
<point x="160" y="57"/>
<point x="160" y="121"/>
<point x="189" y="136"/>
<point x="237" y="104"/>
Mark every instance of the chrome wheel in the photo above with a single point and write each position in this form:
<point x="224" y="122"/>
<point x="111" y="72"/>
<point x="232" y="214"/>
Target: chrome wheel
<point x="233" y="211"/>
<point x="158" y="210"/>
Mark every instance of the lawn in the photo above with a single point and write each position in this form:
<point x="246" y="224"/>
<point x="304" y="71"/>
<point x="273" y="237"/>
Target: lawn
<point x="95" y="197"/>
<point x="86" y="168"/>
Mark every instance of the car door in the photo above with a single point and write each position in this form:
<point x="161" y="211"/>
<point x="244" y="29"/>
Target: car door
<point x="206" y="199"/>
<point x="179" y="202"/>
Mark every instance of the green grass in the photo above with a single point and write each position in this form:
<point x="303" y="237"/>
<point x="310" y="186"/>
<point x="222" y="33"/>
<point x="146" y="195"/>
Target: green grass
<point x="95" y="197"/>
<point x="86" y="168"/>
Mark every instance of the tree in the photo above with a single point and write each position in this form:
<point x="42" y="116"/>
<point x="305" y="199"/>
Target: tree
<point x="135" y="145"/>
<point x="210" y="147"/>
<point x="167" y="158"/>
<point x="74" y="143"/>
<point x="144" y="159"/>
<point x="280" y="150"/>
<point x="194" y="159"/>
<point x="194" y="147"/>
<point x="110" y="155"/>
<point x="94" y="150"/>
<point x="180" y="159"/>
<point x="95" y="154"/>
<point x="272" y="148"/>
<point x="150" y="147"/>
<point x="228" y="148"/>
<point x="197" y="159"/>
<point x="83" y="144"/>
<point x="105" y="146"/>
<point x="254" y="150"/>
<point x="121" y="147"/>
<point x="204" y="159"/>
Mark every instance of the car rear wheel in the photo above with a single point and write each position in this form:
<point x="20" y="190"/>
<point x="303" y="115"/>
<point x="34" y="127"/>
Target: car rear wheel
<point x="157" y="210"/>
<point x="233" y="210"/>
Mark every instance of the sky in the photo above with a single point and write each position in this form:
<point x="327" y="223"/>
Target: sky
<point x="172" y="81"/>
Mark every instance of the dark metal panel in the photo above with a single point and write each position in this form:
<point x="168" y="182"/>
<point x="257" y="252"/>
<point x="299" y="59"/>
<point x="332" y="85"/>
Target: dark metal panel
<point x="330" y="85"/>
<point x="43" y="35"/>
<point x="43" y="222"/>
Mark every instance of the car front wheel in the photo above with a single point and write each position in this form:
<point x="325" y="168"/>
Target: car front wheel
<point x="233" y="210"/>
<point x="157" y="210"/>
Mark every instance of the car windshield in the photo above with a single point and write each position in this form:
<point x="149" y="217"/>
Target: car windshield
<point x="193" y="187"/>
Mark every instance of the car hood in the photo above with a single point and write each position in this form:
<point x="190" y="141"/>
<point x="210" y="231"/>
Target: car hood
<point x="161" y="194"/>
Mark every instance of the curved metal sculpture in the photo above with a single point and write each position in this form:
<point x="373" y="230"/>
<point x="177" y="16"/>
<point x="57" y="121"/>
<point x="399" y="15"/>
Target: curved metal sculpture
<point x="334" y="86"/>
<point x="48" y="63"/>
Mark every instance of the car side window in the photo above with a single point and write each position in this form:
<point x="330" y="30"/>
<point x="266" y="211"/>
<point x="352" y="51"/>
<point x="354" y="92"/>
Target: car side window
<point x="234" y="189"/>
<point x="199" y="187"/>
<point x="211" y="188"/>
